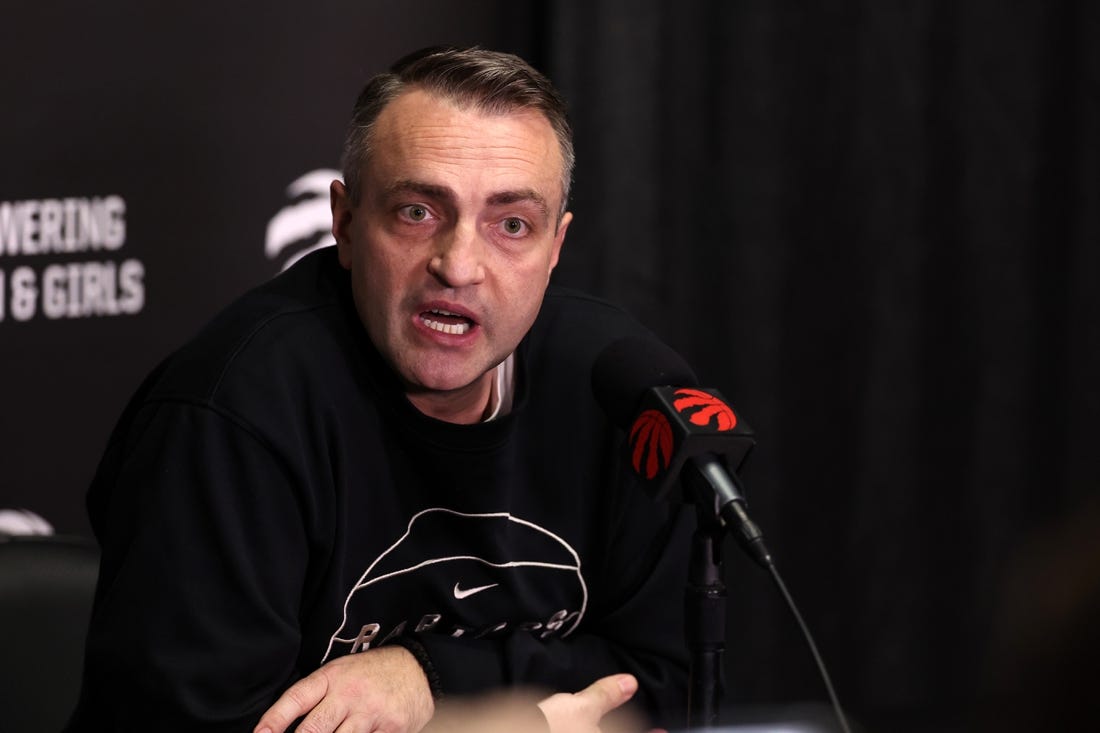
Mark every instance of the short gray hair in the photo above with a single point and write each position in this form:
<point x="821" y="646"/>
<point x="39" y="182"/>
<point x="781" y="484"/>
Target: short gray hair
<point x="490" y="81"/>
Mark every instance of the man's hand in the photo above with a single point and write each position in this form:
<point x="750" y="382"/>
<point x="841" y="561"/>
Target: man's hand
<point x="583" y="712"/>
<point x="381" y="690"/>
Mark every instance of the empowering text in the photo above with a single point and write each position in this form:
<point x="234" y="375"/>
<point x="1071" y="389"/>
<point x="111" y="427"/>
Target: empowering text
<point x="58" y="228"/>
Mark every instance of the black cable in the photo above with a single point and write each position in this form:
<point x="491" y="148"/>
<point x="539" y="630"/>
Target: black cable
<point x="837" y="709"/>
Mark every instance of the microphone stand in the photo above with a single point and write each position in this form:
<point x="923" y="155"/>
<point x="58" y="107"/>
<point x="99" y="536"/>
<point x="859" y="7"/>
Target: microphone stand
<point x="717" y="497"/>
<point x="705" y="618"/>
<point x="705" y="597"/>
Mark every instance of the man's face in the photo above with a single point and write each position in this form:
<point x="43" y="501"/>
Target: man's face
<point x="452" y="242"/>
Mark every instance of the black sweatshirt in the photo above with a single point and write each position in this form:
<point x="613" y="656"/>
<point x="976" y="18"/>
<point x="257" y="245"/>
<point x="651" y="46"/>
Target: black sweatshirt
<point x="271" y="500"/>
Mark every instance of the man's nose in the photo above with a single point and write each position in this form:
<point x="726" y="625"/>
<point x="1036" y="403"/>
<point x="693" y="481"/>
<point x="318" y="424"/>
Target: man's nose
<point x="458" y="258"/>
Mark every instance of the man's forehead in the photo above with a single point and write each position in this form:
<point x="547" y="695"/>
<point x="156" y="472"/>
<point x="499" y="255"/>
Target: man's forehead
<point x="419" y="128"/>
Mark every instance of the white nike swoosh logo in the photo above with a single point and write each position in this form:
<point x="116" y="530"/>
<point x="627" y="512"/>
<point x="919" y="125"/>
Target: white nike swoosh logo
<point x="460" y="593"/>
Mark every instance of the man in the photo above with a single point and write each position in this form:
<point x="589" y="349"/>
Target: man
<point x="382" y="477"/>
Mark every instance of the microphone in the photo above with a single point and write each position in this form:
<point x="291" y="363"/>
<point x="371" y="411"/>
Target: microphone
<point x="677" y="429"/>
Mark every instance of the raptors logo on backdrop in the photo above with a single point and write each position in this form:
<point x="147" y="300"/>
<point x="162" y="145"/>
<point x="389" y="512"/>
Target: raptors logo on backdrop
<point x="464" y="575"/>
<point x="305" y="224"/>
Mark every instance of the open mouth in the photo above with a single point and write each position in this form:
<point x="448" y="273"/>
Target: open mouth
<point x="446" y="322"/>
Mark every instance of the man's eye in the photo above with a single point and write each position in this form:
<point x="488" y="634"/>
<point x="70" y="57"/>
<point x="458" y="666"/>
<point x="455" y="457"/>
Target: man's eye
<point x="514" y="226"/>
<point x="416" y="212"/>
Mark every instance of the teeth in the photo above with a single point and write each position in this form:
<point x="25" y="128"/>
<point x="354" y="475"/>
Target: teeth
<point x="445" y="313"/>
<point x="456" y="329"/>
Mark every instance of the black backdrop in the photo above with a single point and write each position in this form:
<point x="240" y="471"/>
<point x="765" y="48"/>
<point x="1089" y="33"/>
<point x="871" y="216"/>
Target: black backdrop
<point x="873" y="225"/>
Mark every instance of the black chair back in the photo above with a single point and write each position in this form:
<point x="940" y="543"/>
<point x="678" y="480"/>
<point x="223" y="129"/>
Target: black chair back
<point x="46" y="590"/>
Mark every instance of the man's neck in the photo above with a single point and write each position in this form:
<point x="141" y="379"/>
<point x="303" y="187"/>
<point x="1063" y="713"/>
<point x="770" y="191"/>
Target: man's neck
<point x="463" y="406"/>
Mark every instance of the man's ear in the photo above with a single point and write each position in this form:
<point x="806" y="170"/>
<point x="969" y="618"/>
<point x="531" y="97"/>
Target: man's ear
<point x="341" y="207"/>
<point x="559" y="239"/>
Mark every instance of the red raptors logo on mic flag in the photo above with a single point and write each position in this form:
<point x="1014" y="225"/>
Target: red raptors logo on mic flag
<point x="651" y="443"/>
<point x="709" y="408"/>
<point x="681" y="416"/>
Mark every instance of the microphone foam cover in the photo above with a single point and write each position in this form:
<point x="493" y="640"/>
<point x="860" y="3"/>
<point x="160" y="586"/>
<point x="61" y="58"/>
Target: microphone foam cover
<point x="627" y="368"/>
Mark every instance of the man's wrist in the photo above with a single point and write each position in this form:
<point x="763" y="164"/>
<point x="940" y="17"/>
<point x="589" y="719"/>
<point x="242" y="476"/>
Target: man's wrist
<point x="413" y="646"/>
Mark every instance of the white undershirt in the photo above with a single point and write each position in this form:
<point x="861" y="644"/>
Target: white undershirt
<point x="503" y="388"/>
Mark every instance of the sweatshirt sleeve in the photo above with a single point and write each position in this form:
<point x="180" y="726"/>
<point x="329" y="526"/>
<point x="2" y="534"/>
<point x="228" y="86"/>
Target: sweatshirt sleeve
<point x="195" y="623"/>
